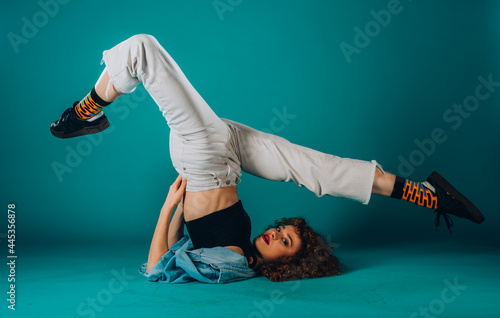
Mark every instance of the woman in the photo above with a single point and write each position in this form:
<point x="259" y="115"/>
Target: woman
<point x="209" y="154"/>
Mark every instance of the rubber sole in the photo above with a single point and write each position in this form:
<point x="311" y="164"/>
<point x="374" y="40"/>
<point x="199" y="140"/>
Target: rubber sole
<point x="84" y="131"/>
<point x="446" y="186"/>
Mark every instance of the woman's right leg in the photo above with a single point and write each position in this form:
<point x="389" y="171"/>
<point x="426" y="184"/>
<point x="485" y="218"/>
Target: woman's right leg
<point x="141" y="59"/>
<point x="106" y="89"/>
<point x="198" y="138"/>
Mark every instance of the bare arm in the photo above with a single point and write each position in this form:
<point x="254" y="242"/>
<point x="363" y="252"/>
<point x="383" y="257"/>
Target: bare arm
<point x="159" y="243"/>
<point x="176" y="228"/>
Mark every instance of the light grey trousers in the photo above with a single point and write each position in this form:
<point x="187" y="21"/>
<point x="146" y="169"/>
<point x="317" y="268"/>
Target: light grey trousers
<point x="211" y="152"/>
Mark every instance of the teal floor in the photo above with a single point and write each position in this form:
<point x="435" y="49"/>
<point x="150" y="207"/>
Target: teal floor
<point x="409" y="280"/>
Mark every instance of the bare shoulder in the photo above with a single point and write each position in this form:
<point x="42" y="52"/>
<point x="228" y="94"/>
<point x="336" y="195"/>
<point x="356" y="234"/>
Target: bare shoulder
<point x="235" y="249"/>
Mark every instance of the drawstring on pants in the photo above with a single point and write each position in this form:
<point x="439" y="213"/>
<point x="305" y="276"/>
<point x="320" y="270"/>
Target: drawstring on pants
<point x="379" y="166"/>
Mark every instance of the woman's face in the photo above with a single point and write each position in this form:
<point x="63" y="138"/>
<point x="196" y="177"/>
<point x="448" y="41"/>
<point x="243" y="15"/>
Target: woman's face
<point x="277" y="242"/>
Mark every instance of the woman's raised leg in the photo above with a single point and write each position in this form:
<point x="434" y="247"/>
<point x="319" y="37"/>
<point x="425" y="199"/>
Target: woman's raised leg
<point x="106" y="89"/>
<point x="383" y="183"/>
<point x="198" y="138"/>
<point x="141" y="58"/>
<point x="274" y="158"/>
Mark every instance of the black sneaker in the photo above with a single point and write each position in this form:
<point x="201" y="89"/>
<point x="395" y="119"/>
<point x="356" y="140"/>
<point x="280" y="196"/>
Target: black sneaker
<point x="451" y="201"/>
<point x="70" y="125"/>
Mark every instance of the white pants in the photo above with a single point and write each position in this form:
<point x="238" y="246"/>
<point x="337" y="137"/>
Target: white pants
<point x="211" y="152"/>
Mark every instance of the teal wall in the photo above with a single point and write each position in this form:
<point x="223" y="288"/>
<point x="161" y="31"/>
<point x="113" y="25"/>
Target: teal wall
<point x="251" y="60"/>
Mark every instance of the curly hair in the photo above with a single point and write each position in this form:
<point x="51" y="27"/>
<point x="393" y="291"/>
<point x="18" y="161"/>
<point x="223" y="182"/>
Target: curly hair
<point x="314" y="259"/>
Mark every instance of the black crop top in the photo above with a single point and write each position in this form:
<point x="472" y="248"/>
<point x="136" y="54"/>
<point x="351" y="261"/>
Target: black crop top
<point x="227" y="227"/>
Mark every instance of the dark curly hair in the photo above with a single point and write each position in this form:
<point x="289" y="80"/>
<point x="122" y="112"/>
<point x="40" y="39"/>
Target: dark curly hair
<point x="314" y="259"/>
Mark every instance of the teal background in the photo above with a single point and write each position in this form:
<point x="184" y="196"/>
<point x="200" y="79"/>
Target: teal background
<point x="253" y="61"/>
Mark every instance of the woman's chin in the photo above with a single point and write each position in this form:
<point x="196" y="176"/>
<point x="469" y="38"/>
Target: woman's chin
<point x="257" y="243"/>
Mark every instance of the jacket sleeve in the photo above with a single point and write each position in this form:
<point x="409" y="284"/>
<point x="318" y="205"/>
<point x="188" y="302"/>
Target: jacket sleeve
<point x="182" y="264"/>
<point x="176" y="266"/>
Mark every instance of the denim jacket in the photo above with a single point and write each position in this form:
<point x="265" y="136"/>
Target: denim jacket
<point x="182" y="264"/>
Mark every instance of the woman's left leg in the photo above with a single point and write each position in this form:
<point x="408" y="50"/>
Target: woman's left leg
<point x="274" y="158"/>
<point x="383" y="183"/>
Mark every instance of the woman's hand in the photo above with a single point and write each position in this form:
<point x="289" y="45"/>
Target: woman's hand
<point x="159" y="244"/>
<point x="176" y="192"/>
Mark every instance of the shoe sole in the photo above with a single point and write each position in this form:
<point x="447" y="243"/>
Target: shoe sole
<point x="446" y="186"/>
<point x="82" y="132"/>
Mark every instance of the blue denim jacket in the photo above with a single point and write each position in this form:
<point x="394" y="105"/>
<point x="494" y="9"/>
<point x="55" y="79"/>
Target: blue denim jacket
<point x="182" y="264"/>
